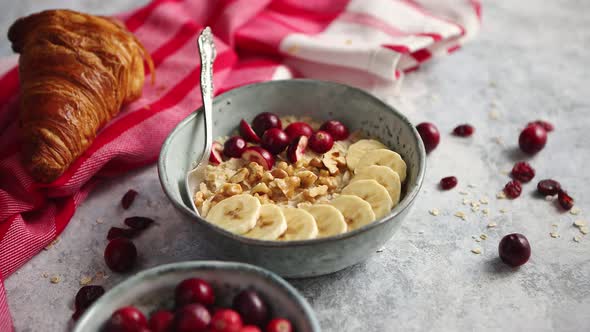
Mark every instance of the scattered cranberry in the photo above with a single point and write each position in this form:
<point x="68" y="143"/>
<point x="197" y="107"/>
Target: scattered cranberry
<point x="216" y="151"/>
<point x="194" y="290"/>
<point x="234" y="147"/>
<point x="117" y="232"/>
<point x="250" y="328"/>
<point x="523" y="172"/>
<point x="514" y="249"/>
<point x="192" y="317"/>
<point x="85" y="297"/>
<point x="548" y="187"/>
<point x="513" y="189"/>
<point x="546" y="125"/>
<point x="463" y="130"/>
<point x="532" y="139"/>
<point x="126" y="319"/>
<point x="128" y="198"/>
<point x="429" y="134"/>
<point x="161" y="321"/>
<point x="336" y="129"/>
<point x="251" y="307"/>
<point x="259" y="155"/>
<point x="279" y="325"/>
<point x="297" y="148"/>
<point x="275" y="140"/>
<point x="120" y="255"/>
<point x="264" y="121"/>
<point x="226" y="320"/>
<point x="139" y="223"/>
<point x="248" y="133"/>
<point x="565" y="200"/>
<point x="296" y="129"/>
<point x="321" y="142"/>
<point x="448" y="183"/>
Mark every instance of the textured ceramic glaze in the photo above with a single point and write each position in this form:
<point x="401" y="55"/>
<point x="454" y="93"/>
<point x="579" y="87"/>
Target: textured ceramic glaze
<point x="153" y="289"/>
<point x="322" y="101"/>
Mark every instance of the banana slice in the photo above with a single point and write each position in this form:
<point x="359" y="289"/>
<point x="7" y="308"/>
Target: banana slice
<point x="236" y="214"/>
<point x="358" y="149"/>
<point x="372" y="192"/>
<point x="270" y="224"/>
<point x="384" y="175"/>
<point x="300" y="225"/>
<point x="384" y="157"/>
<point x="356" y="212"/>
<point x="329" y="219"/>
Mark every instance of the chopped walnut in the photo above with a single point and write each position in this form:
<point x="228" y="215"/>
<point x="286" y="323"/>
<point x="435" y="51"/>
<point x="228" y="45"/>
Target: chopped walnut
<point x="267" y="177"/>
<point x="294" y="182"/>
<point x="231" y="189"/>
<point x="290" y="170"/>
<point x="199" y="198"/>
<point x="329" y="181"/>
<point x="256" y="172"/>
<point x="331" y="164"/>
<point x="282" y="165"/>
<point x="316" y="162"/>
<point x="207" y="205"/>
<point x="279" y="173"/>
<point x="260" y="188"/>
<point x="264" y="199"/>
<point x="301" y="163"/>
<point x="315" y="192"/>
<point x="217" y="198"/>
<point x="324" y="172"/>
<point x="240" y="176"/>
<point x="307" y="178"/>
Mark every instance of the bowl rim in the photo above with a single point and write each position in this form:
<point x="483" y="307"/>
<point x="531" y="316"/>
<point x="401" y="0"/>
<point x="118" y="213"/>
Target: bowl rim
<point x="196" y="265"/>
<point x="404" y="204"/>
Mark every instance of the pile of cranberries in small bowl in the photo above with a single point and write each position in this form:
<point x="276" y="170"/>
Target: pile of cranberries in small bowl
<point x="195" y="311"/>
<point x="265" y="138"/>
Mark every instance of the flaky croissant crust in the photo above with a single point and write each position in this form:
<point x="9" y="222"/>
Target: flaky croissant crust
<point x="76" y="71"/>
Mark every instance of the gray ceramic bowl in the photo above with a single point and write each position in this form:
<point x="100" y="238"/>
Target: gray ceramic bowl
<point x="154" y="289"/>
<point x="320" y="100"/>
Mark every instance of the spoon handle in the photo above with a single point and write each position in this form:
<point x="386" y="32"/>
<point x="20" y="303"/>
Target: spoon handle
<point x="208" y="53"/>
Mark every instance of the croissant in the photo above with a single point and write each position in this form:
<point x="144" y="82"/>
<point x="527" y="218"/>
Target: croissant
<point x="76" y="71"/>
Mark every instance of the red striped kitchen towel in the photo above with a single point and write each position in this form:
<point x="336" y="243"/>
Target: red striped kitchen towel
<point x="367" y="43"/>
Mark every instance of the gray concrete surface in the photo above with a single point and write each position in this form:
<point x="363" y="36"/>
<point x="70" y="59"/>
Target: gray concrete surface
<point x="530" y="61"/>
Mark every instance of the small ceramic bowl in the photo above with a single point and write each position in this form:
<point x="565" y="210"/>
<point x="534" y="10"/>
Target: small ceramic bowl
<point x="322" y="101"/>
<point x="153" y="289"/>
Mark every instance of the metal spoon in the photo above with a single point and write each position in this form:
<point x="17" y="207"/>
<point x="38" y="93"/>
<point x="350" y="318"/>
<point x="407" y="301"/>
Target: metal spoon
<point x="207" y="51"/>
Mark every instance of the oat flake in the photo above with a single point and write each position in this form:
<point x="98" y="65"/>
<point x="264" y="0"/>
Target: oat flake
<point x="584" y="230"/>
<point x="55" y="280"/>
<point x="434" y="212"/>
<point x="476" y="251"/>
<point x="501" y="195"/>
<point x="460" y="215"/>
<point x="579" y="223"/>
<point x="554" y="235"/>
<point x="575" y="211"/>
<point x="484" y="200"/>
<point x="483" y="236"/>
<point x="85" y="280"/>
<point x="463" y="193"/>
<point x="492" y="225"/>
<point x="577" y="238"/>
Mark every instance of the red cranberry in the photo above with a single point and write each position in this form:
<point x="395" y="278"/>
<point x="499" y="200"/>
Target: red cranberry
<point x="226" y="320"/>
<point x="250" y="328"/>
<point x="429" y="134"/>
<point x="565" y="200"/>
<point x="279" y="325"/>
<point x="120" y="255"/>
<point x="275" y="140"/>
<point x="251" y="307"/>
<point x="296" y="149"/>
<point x="234" y="147"/>
<point x="117" y="232"/>
<point x="264" y="121"/>
<point x="513" y="189"/>
<point x="532" y="139"/>
<point x="448" y="183"/>
<point x="523" y="172"/>
<point x="216" y="151"/>
<point x="139" y="223"/>
<point x="192" y="317"/>
<point x="194" y="290"/>
<point x="126" y="319"/>
<point x="162" y="321"/>
<point x="85" y="297"/>
<point x="297" y="129"/>
<point x="128" y="198"/>
<point x="336" y="129"/>
<point x="248" y="133"/>
<point x="548" y="187"/>
<point x="463" y="130"/>
<point x="546" y="125"/>
<point x="514" y="249"/>
<point x="259" y="155"/>
<point x="321" y="142"/>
